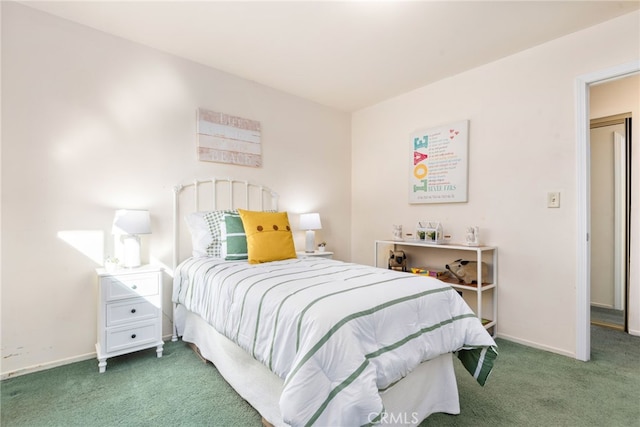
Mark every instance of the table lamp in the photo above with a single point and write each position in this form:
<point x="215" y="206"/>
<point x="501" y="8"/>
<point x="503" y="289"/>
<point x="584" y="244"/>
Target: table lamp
<point x="128" y="224"/>
<point x="310" y="222"/>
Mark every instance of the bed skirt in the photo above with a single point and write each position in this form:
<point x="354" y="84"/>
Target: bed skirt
<point x="430" y="388"/>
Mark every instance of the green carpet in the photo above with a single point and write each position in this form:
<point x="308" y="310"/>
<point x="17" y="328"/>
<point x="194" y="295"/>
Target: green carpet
<point x="531" y="387"/>
<point x="527" y="388"/>
<point x="136" y="390"/>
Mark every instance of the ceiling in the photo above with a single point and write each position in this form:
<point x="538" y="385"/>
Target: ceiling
<point x="347" y="55"/>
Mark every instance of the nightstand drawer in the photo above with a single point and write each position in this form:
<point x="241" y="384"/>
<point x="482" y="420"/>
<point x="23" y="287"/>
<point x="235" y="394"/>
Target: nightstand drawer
<point x="122" y="338"/>
<point x="132" y="310"/>
<point x="131" y="285"/>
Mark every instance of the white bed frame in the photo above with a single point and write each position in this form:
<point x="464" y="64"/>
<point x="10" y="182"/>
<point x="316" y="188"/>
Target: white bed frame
<point x="218" y="193"/>
<point x="430" y="388"/>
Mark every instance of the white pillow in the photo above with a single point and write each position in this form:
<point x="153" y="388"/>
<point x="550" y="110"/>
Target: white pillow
<point x="200" y="236"/>
<point x="205" y="232"/>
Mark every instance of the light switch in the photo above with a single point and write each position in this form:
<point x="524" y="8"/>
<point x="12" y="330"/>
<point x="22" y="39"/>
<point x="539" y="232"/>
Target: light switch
<point x="553" y="199"/>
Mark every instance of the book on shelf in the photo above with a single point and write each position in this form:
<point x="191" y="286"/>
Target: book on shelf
<point x="424" y="271"/>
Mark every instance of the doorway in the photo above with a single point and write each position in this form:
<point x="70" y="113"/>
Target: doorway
<point x="610" y="146"/>
<point x="583" y="219"/>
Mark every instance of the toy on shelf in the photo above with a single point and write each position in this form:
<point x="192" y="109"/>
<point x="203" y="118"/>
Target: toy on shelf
<point x="467" y="271"/>
<point x="397" y="260"/>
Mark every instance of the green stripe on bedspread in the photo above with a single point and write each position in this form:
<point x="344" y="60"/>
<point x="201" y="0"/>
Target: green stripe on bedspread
<point x="478" y="361"/>
<point x="368" y="312"/>
<point x="335" y="391"/>
<point x="265" y="294"/>
<point x="377" y="353"/>
<point x="343" y="291"/>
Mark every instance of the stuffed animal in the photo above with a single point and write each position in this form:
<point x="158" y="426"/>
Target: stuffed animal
<point x="466" y="271"/>
<point x="397" y="260"/>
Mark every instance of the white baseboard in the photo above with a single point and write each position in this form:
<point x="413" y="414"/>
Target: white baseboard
<point x="55" y="364"/>
<point x="48" y="365"/>
<point x="597" y="304"/>
<point x="536" y="345"/>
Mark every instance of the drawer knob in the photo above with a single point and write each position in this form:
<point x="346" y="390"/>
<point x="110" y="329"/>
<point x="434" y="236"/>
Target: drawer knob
<point x="133" y="336"/>
<point x="134" y="286"/>
<point x="133" y="310"/>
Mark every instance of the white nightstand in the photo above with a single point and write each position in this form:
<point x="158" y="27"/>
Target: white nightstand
<point x="129" y="312"/>
<point x="315" y="254"/>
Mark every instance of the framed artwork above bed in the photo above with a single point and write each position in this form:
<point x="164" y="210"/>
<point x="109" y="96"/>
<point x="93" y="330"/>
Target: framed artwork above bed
<point x="224" y="138"/>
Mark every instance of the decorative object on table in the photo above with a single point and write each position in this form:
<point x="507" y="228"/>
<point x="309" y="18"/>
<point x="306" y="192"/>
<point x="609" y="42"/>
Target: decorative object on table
<point x="228" y="139"/>
<point x="472" y="236"/>
<point x="429" y="232"/>
<point x="111" y="264"/>
<point x="439" y="165"/>
<point x="397" y="232"/>
<point x="128" y="224"/>
<point x="466" y="271"/>
<point x="321" y="246"/>
<point x="310" y="222"/>
<point x="397" y="260"/>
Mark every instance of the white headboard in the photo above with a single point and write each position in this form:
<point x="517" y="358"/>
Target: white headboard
<point x="215" y="194"/>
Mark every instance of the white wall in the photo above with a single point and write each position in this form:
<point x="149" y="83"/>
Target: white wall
<point x="522" y="144"/>
<point x="92" y="123"/>
<point x="607" y="99"/>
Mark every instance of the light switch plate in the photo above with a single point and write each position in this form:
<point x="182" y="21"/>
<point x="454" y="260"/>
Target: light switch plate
<point x="553" y="199"/>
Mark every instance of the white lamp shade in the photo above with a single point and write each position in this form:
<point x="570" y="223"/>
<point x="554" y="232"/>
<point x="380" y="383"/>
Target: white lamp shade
<point x="131" y="221"/>
<point x="310" y="221"/>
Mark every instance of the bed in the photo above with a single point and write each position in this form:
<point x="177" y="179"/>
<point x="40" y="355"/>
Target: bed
<point x="315" y="341"/>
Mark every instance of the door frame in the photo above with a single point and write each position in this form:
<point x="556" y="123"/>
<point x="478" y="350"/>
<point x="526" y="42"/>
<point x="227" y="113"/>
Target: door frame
<point x="621" y="223"/>
<point x="583" y="159"/>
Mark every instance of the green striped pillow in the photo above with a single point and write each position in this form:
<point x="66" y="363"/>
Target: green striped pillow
<point x="236" y="239"/>
<point x="206" y="236"/>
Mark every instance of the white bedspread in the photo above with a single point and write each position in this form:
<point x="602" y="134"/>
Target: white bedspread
<point x="335" y="332"/>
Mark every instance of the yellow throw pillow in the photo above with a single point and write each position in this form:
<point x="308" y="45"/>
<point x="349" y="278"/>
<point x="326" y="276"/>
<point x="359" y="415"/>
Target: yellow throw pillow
<point x="269" y="236"/>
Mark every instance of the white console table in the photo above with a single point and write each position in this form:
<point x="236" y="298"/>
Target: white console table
<point x="486" y="285"/>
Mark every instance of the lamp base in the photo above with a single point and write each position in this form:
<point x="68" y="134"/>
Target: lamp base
<point x="131" y="251"/>
<point x="310" y="242"/>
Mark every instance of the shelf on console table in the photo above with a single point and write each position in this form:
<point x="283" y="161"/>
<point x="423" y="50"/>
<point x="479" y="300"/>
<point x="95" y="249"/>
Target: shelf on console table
<point x="487" y="254"/>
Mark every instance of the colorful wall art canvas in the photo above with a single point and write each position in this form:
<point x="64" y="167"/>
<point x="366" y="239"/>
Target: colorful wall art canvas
<point x="439" y="170"/>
